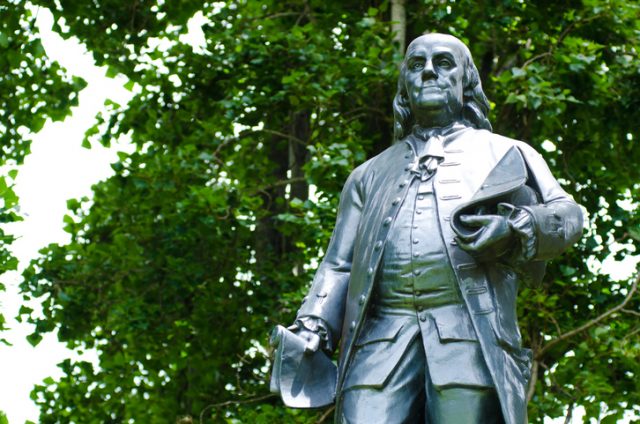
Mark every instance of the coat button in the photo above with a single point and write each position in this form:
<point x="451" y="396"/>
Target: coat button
<point x="416" y="241"/>
<point x="378" y="245"/>
<point x="362" y="299"/>
<point x="423" y="317"/>
<point x="352" y="326"/>
<point x="387" y="221"/>
<point x="370" y="271"/>
<point x="418" y="212"/>
<point x="396" y="201"/>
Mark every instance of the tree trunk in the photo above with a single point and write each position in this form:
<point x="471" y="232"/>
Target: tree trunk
<point x="399" y="24"/>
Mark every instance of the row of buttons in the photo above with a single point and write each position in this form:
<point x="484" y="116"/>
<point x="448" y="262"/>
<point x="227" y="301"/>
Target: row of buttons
<point x="386" y="222"/>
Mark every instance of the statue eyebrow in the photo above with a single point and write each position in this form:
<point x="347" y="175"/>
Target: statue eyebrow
<point x="416" y="54"/>
<point x="441" y="53"/>
<point x="420" y="54"/>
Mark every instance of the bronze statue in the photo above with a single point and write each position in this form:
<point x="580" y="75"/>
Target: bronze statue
<point x="419" y="282"/>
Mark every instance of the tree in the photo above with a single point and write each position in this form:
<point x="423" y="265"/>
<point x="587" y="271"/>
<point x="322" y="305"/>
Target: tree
<point x="32" y="90"/>
<point x="206" y="236"/>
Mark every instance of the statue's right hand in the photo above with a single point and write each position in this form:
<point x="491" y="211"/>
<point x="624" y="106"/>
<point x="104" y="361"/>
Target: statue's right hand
<point x="312" y="338"/>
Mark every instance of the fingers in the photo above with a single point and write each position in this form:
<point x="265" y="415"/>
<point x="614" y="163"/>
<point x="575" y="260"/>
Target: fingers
<point x="472" y="245"/>
<point x="478" y="220"/>
<point x="313" y="343"/>
<point x="493" y="234"/>
<point x="467" y="238"/>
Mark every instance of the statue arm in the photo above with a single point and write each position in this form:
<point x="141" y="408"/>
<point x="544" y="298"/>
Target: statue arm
<point x="541" y="217"/>
<point x="556" y="222"/>
<point x="322" y="310"/>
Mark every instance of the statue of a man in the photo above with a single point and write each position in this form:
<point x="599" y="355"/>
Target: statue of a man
<point x="419" y="282"/>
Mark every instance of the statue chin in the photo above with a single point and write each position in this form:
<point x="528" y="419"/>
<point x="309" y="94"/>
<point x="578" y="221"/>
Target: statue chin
<point x="434" y="109"/>
<point x="435" y="115"/>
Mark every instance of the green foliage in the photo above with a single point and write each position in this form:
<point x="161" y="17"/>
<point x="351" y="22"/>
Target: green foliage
<point x="32" y="89"/>
<point x="206" y="236"/>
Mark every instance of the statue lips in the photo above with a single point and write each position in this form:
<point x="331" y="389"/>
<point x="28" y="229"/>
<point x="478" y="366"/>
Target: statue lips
<point x="431" y="87"/>
<point x="432" y="95"/>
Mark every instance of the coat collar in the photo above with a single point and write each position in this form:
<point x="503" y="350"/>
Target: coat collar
<point x="431" y="141"/>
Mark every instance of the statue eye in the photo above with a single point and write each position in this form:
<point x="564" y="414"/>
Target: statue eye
<point x="445" y="63"/>
<point x="417" y="65"/>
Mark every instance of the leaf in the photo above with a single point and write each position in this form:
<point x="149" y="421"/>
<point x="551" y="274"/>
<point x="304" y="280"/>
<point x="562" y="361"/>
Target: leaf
<point x="34" y="339"/>
<point x="4" y="40"/>
<point x="634" y="232"/>
<point x="518" y="73"/>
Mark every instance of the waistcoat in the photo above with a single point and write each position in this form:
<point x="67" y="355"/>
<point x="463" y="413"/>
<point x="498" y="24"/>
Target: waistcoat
<point x="415" y="273"/>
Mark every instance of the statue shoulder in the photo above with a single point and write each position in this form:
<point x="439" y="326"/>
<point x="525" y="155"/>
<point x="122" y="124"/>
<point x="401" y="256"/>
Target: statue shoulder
<point x="379" y="161"/>
<point x="505" y="142"/>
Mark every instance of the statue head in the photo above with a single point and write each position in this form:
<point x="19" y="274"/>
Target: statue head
<point x="438" y="85"/>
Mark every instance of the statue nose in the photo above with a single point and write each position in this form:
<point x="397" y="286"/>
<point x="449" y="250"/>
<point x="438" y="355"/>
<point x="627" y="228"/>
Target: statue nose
<point x="428" y="71"/>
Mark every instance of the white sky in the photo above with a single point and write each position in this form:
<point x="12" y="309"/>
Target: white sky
<point x="59" y="169"/>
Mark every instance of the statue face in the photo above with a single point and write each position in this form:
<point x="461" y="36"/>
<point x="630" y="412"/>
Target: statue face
<point x="434" y="79"/>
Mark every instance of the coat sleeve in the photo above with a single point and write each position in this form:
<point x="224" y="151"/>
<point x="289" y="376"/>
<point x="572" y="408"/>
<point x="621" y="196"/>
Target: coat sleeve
<point x="557" y="219"/>
<point x="327" y="297"/>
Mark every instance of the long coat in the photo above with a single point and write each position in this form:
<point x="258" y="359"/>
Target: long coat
<point x="477" y="165"/>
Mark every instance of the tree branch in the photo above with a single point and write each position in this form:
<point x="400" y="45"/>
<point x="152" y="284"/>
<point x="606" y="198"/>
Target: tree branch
<point x="561" y="38"/>
<point x="326" y="415"/>
<point x="234" y="402"/>
<point x="534" y="380"/>
<point x="629" y="311"/>
<point x="567" y="419"/>
<point x="225" y="142"/>
<point x="591" y="323"/>
<point x="283" y="135"/>
<point x="281" y="183"/>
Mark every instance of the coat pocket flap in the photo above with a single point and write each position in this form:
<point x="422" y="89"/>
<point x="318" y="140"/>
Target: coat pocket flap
<point x="375" y="330"/>
<point x="454" y="323"/>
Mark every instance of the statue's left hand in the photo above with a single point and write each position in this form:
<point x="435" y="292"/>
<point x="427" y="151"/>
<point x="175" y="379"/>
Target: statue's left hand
<point x="492" y="239"/>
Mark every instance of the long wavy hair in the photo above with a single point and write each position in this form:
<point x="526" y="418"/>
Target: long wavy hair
<point x="475" y="105"/>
